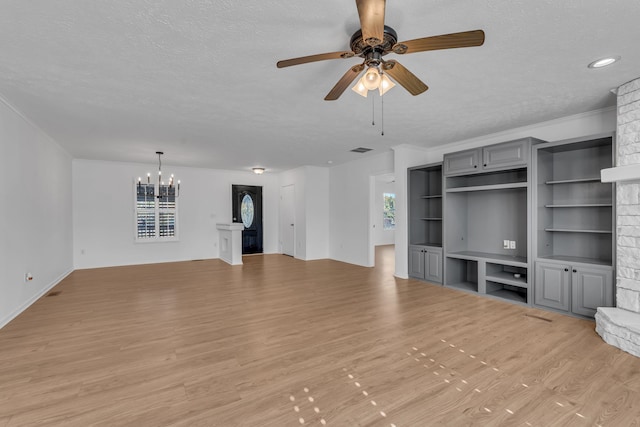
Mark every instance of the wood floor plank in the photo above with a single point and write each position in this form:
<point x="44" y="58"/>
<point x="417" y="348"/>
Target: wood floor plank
<point x="279" y="340"/>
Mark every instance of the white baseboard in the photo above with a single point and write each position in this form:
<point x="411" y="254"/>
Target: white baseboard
<point x="30" y="301"/>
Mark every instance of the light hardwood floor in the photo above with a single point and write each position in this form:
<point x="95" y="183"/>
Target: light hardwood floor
<point x="282" y="342"/>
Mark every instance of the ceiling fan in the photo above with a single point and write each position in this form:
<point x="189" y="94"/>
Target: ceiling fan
<point x="375" y="40"/>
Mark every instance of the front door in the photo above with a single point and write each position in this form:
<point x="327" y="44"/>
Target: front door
<point x="247" y="209"/>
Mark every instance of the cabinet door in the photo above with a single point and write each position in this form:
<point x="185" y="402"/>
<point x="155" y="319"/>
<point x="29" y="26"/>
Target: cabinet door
<point x="552" y="285"/>
<point x="505" y="156"/>
<point x="433" y="266"/>
<point x="416" y="262"/>
<point x="462" y="162"/>
<point x="591" y="288"/>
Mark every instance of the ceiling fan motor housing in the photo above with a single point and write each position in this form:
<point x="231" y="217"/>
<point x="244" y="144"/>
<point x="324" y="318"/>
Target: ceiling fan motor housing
<point x="373" y="54"/>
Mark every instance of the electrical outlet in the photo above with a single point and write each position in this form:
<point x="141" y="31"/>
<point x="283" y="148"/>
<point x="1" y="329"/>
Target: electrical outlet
<point x="512" y="244"/>
<point x="505" y="244"/>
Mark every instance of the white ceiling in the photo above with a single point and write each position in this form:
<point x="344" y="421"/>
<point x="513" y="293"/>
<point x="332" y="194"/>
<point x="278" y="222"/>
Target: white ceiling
<point x="119" y="79"/>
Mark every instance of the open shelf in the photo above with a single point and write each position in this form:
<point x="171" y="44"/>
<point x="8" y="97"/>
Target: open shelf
<point x="465" y="286"/>
<point x="487" y="187"/>
<point x="580" y="205"/>
<point x="576" y="259"/>
<point x="487" y="180"/>
<point x="507" y="279"/>
<point x="432" y="244"/>
<point x="573" y="180"/>
<point x="507" y="292"/>
<point x="517" y="261"/>
<point x="570" y="230"/>
<point x="462" y="274"/>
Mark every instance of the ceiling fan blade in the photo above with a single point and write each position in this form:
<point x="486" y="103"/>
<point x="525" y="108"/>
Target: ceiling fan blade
<point x="445" y="41"/>
<point x="344" y="82"/>
<point x="371" y="13"/>
<point x="405" y="77"/>
<point x="314" y="58"/>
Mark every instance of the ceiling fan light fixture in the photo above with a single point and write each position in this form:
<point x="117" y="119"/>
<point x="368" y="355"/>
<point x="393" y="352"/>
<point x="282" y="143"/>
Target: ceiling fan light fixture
<point x="360" y="89"/>
<point x="385" y="84"/>
<point x="371" y="78"/>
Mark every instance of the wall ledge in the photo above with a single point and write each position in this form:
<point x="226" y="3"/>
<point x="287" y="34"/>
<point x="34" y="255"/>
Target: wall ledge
<point x="621" y="173"/>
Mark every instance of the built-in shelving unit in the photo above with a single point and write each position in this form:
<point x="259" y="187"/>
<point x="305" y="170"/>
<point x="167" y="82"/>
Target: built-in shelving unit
<point x="425" y="222"/>
<point x="574" y="224"/>
<point x="484" y="207"/>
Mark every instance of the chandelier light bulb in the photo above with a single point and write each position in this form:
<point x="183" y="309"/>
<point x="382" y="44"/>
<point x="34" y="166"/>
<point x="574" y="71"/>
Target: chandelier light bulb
<point x="371" y="78"/>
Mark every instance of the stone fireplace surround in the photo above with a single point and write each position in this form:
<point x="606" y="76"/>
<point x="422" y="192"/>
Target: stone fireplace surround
<point x="620" y="325"/>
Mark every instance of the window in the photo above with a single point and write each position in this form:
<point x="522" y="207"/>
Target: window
<point x="156" y="217"/>
<point x="246" y="211"/>
<point x="389" y="211"/>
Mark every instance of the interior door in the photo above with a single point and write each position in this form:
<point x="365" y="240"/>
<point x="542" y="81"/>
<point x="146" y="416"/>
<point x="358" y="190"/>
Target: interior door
<point x="287" y="215"/>
<point x="247" y="209"/>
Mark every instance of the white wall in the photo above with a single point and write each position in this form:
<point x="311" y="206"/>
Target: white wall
<point x="317" y="213"/>
<point x="380" y="235"/>
<point x="405" y="156"/>
<point x="311" y="193"/>
<point x="35" y="213"/>
<point x="103" y="213"/>
<point x="349" y="193"/>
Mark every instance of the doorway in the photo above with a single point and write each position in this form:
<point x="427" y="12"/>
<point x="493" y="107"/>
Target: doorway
<point x="246" y="207"/>
<point x="287" y="209"/>
<point x="381" y="221"/>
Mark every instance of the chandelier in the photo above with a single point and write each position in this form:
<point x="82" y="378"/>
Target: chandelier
<point x="169" y="190"/>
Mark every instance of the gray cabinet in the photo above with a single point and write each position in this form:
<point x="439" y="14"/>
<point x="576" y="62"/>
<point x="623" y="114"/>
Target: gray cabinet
<point x="504" y="156"/>
<point x="591" y="288"/>
<point x="487" y="228"/>
<point x="552" y="285"/>
<point x="416" y="262"/>
<point x="433" y="265"/>
<point x="462" y="162"/>
<point x="574" y="217"/>
<point x="425" y="222"/>
<point x="579" y="289"/>
<point x="507" y="155"/>
<point x="425" y="263"/>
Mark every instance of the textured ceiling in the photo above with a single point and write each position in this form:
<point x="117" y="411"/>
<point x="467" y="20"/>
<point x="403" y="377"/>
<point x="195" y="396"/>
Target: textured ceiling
<point x="119" y="80"/>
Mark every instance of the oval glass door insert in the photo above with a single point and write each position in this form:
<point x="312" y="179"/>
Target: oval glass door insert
<point x="246" y="211"/>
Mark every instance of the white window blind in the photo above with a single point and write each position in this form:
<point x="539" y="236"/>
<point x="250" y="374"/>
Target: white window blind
<point x="156" y="217"/>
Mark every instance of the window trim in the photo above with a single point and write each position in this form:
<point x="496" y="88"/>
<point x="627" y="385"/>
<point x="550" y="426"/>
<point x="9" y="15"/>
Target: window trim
<point x="156" y="210"/>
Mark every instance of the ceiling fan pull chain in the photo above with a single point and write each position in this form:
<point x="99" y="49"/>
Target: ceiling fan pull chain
<point x="382" y="114"/>
<point x="373" y="111"/>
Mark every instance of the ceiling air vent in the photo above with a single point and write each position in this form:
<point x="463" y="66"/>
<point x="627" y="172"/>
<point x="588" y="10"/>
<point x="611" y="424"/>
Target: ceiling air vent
<point x="361" y="150"/>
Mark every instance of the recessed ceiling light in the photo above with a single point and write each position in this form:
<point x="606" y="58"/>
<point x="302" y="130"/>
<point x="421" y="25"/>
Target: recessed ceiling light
<point x="258" y="171"/>
<point x="603" y="62"/>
